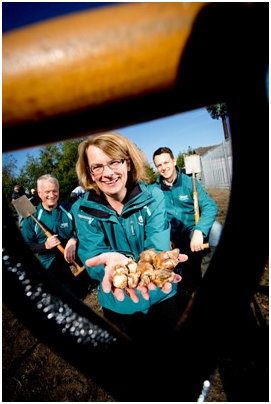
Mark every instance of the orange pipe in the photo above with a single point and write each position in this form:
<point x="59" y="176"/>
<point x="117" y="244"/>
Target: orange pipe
<point x="92" y="59"/>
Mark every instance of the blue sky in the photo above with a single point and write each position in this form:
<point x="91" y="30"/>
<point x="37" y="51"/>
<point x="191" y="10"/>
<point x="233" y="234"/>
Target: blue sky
<point x="178" y="132"/>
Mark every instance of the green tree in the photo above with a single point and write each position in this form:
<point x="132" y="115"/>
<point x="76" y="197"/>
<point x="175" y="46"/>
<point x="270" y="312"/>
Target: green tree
<point x="50" y="157"/>
<point x="58" y="160"/>
<point x="151" y="174"/>
<point x="9" y="169"/>
<point x="30" y="171"/>
<point x="180" y="160"/>
<point x="66" y="173"/>
<point x="220" y="111"/>
<point x="9" y="178"/>
<point x="181" y="156"/>
<point x="45" y="163"/>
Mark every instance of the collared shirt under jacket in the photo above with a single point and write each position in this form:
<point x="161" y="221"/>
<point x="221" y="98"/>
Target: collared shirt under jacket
<point x="142" y="225"/>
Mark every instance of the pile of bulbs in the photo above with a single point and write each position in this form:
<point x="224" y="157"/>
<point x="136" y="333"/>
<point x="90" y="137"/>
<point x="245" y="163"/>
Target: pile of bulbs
<point x="151" y="267"/>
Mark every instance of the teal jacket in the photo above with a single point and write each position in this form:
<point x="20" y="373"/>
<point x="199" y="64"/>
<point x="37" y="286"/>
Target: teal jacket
<point x="180" y="206"/>
<point x="141" y="225"/>
<point x="58" y="221"/>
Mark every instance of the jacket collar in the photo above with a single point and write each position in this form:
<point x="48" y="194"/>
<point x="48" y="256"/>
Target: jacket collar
<point x="132" y="191"/>
<point x="97" y="205"/>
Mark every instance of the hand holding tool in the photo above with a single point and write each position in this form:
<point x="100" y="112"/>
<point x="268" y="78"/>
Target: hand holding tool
<point x="192" y="166"/>
<point x="26" y="209"/>
<point x="196" y="205"/>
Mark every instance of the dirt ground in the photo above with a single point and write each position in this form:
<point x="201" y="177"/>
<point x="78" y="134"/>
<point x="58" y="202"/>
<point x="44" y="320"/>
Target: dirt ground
<point x="32" y="372"/>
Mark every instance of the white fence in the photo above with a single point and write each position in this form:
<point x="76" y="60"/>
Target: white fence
<point x="216" y="166"/>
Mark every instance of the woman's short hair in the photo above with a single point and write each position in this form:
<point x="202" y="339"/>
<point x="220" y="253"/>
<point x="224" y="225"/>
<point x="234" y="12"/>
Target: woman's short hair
<point x="115" y="146"/>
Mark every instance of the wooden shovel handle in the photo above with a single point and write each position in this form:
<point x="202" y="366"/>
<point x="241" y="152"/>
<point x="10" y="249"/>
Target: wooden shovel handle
<point x="60" y="247"/>
<point x="196" y="206"/>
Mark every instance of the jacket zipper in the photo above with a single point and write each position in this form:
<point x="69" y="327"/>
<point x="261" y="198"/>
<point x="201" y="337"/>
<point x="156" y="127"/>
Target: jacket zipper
<point x="132" y="228"/>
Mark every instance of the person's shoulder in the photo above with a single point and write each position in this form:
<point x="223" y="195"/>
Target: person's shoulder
<point x="155" y="190"/>
<point x="66" y="205"/>
<point x="76" y="204"/>
<point x="79" y="201"/>
<point x="157" y="182"/>
<point x="185" y="178"/>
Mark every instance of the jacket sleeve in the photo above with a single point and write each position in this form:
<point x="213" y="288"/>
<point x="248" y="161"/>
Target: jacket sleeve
<point x="208" y="210"/>
<point x="91" y="240"/>
<point x="30" y="238"/>
<point x="157" y="230"/>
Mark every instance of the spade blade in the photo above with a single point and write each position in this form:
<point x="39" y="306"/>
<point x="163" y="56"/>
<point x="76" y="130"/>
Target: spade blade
<point x="24" y="206"/>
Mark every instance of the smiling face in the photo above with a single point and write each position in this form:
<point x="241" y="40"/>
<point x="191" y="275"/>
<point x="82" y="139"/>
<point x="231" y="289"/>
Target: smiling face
<point x="48" y="192"/>
<point x="112" y="182"/>
<point x="166" y="166"/>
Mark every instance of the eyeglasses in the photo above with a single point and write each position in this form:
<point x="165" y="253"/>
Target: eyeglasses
<point x="98" y="169"/>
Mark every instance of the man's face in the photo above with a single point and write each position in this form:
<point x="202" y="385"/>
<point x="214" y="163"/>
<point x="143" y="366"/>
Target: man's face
<point x="165" y="165"/>
<point x="49" y="194"/>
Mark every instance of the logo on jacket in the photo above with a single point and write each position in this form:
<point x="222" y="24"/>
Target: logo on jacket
<point x="183" y="198"/>
<point x="64" y="225"/>
<point x="140" y="220"/>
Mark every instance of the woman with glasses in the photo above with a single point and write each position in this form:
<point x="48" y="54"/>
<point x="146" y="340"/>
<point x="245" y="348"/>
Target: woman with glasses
<point x="120" y="216"/>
